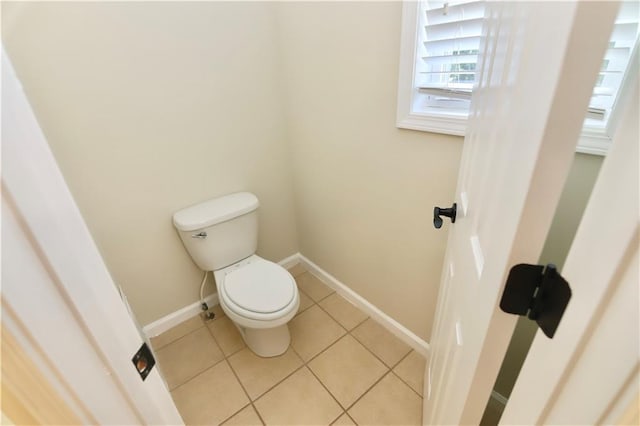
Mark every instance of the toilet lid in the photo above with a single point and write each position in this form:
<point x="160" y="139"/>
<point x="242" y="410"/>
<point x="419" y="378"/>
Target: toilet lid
<point x="261" y="286"/>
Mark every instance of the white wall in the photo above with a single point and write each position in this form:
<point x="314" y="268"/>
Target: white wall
<point x="365" y="190"/>
<point x="151" y="107"/>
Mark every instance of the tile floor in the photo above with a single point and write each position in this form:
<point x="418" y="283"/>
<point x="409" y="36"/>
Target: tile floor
<point x="342" y="368"/>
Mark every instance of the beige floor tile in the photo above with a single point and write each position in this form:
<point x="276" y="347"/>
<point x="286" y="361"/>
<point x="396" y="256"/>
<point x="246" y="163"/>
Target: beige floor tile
<point x="246" y="417"/>
<point x="389" y="402"/>
<point x="258" y="375"/>
<point x="299" y="400"/>
<point x="381" y="342"/>
<point x="297" y="270"/>
<point x="347" y="369"/>
<point x="343" y="311"/>
<point x="188" y="356"/>
<point x="411" y="370"/>
<point x="344" y="420"/>
<point x="314" y="288"/>
<point x="176" y="332"/>
<point x="211" y="397"/>
<point x="305" y="302"/>
<point x="313" y="331"/>
<point x="227" y="335"/>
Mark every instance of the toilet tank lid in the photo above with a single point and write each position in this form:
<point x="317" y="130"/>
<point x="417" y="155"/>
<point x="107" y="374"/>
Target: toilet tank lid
<point x="215" y="211"/>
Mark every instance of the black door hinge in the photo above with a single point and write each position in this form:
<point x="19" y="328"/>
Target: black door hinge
<point x="539" y="293"/>
<point x="144" y="361"/>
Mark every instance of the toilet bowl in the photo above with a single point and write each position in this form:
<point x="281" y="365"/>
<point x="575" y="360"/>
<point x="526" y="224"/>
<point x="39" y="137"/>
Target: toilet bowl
<point x="260" y="297"/>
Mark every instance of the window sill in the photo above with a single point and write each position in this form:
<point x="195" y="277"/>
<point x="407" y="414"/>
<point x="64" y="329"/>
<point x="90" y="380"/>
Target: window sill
<point x="592" y="141"/>
<point x="445" y="124"/>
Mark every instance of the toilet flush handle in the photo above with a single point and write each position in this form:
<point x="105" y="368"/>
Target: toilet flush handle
<point x="199" y="235"/>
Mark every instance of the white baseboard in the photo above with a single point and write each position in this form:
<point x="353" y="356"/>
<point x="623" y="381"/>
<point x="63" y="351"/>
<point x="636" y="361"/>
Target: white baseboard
<point x="290" y="261"/>
<point x="374" y="312"/>
<point x="165" y="323"/>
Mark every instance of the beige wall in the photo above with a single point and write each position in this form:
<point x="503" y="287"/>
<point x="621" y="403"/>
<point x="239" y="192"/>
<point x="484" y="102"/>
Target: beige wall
<point x="151" y="107"/>
<point x="573" y="201"/>
<point x="365" y="190"/>
<point x="145" y="106"/>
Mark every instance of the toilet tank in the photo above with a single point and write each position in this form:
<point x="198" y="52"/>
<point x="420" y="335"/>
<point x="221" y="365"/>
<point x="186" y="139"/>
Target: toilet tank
<point x="219" y="232"/>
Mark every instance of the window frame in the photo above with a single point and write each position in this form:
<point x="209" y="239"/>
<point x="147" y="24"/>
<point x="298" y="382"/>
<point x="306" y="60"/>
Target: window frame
<point x="407" y="117"/>
<point x="593" y="140"/>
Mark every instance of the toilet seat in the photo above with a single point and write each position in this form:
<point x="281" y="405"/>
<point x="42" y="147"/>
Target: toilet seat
<point x="257" y="289"/>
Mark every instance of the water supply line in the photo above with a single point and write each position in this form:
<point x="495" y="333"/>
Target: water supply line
<point x="205" y="308"/>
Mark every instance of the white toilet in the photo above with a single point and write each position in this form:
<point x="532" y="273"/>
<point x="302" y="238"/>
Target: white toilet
<point x="259" y="296"/>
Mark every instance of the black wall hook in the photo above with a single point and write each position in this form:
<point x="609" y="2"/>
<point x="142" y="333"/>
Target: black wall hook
<point x="448" y="212"/>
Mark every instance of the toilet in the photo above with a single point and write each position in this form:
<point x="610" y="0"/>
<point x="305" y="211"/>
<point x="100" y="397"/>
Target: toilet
<point x="259" y="296"/>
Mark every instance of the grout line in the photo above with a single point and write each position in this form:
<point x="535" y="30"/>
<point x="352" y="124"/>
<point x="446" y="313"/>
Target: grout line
<point x="203" y="324"/>
<point x="398" y="375"/>
<point x="370" y="351"/>
<point x="326" y="388"/>
<point x="323" y="284"/>
<point x="245" y="392"/>
<point x="279" y="381"/>
<point x="220" y="346"/>
<point x="312" y="303"/>
<point x="243" y="407"/>
<point x="216" y="342"/>
<point x="300" y="367"/>
<point x="297" y="354"/>
<point x="348" y="332"/>
<point x="402" y="358"/>
<point x="193" y="377"/>
<point x="389" y="370"/>
<point x="176" y="339"/>
<point x="328" y="391"/>
<point x="408" y="385"/>
<point x="367" y="391"/>
<point x="331" y="316"/>
<point x="171" y="389"/>
<point x="325" y="349"/>
<point x="250" y="404"/>
<point x="275" y="384"/>
<point x="386" y="321"/>
<point x="334" y="422"/>
<point x="352" y="419"/>
<point x="332" y="292"/>
<point x="255" y="410"/>
<point x="336" y="319"/>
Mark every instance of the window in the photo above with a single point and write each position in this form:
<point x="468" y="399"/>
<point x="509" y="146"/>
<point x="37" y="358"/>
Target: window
<point x="620" y="62"/>
<point x="440" y="42"/>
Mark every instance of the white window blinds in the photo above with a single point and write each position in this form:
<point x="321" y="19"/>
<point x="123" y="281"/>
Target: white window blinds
<point x="441" y="39"/>
<point x="614" y="65"/>
<point x="448" y="43"/>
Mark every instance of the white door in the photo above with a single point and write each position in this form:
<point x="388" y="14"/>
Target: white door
<point x="539" y="63"/>
<point x="58" y="299"/>
<point x="588" y="373"/>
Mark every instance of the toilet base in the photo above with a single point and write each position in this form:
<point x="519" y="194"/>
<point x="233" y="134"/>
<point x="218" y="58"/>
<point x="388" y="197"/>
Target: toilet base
<point x="267" y="342"/>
